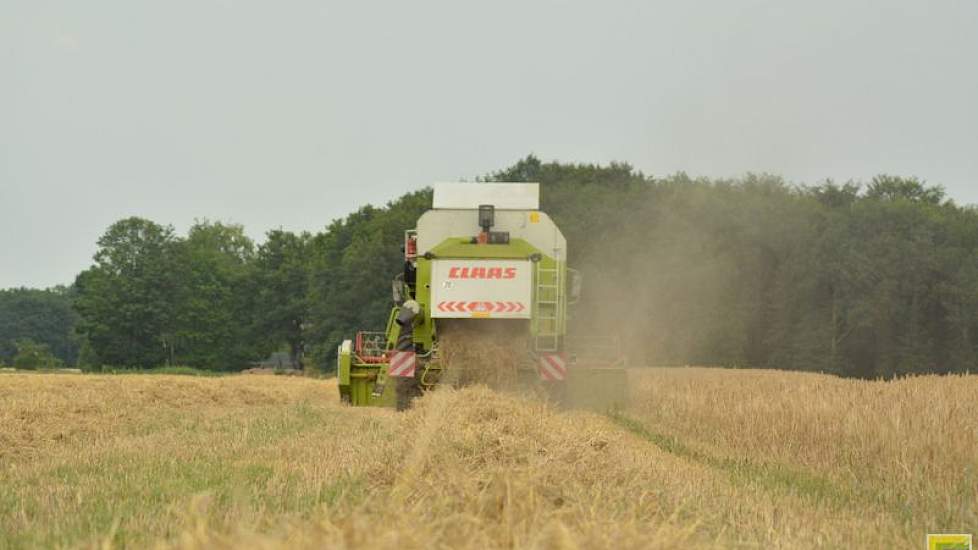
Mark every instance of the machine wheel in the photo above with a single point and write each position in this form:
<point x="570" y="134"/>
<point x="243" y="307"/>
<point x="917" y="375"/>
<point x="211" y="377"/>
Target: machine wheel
<point x="407" y="389"/>
<point x="556" y="393"/>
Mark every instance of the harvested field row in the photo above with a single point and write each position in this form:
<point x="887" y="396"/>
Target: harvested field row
<point x="906" y="447"/>
<point x="277" y="462"/>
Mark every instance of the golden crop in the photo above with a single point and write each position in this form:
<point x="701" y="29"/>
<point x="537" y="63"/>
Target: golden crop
<point x="702" y="458"/>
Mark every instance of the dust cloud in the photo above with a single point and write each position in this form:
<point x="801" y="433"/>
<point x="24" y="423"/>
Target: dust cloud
<point x="668" y="286"/>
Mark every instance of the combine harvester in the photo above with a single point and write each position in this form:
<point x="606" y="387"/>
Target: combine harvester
<point x="483" y="261"/>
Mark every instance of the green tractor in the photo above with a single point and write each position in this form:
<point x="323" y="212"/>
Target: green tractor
<point x="484" y="263"/>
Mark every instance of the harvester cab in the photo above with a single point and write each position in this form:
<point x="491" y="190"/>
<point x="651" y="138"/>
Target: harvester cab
<point x="485" y="286"/>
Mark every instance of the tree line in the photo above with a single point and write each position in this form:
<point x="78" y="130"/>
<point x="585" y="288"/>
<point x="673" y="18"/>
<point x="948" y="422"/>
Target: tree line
<point x="37" y="328"/>
<point x="879" y="279"/>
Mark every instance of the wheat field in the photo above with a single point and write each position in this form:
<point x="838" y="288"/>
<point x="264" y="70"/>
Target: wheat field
<point x="701" y="458"/>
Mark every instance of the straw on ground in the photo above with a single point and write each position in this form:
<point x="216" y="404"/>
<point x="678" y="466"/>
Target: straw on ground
<point x="702" y="458"/>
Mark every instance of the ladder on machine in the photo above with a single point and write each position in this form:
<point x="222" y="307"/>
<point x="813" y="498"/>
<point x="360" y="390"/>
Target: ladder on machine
<point x="546" y="307"/>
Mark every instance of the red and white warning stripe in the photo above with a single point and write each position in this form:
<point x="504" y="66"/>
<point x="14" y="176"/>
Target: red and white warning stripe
<point x="401" y="364"/>
<point x="553" y="367"/>
<point x="481" y="307"/>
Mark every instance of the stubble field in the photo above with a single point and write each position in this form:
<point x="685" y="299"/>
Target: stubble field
<point x="701" y="458"/>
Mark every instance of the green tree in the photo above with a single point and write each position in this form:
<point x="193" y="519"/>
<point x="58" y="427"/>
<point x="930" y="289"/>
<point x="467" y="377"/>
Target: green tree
<point x="210" y="327"/>
<point x="884" y="187"/>
<point x="32" y="355"/>
<point x="280" y="292"/>
<point x="44" y="316"/>
<point x="127" y="300"/>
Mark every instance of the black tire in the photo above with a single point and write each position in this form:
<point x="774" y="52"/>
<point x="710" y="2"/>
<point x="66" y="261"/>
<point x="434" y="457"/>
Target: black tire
<point x="404" y="390"/>
<point x="407" y="389"/>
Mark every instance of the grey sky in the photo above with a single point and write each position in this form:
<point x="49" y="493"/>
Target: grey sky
<point x="294" y="113"/>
